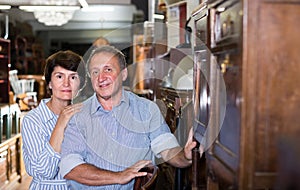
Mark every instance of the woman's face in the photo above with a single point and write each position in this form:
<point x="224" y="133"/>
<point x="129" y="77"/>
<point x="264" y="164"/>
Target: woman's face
<point x="64" y="83"/>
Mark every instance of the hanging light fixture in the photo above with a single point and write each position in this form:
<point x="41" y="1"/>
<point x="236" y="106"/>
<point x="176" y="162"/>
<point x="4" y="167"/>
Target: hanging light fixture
<point x="52" y="12"/>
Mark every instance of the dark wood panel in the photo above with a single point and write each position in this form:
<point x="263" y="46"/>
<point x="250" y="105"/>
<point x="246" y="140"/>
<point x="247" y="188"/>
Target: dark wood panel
<point x="278" y="80"/>
<point x="4" y="68"/>
<point x="259" y="59"/>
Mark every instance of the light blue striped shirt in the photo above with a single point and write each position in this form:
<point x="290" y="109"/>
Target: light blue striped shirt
<point x="41" y="161"/>
<point x="114" y="140"/>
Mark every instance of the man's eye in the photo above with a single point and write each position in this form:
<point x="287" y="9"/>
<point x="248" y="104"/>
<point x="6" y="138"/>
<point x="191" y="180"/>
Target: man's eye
<point x="95" y="72"/>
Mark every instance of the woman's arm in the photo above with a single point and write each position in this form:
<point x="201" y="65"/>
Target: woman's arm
<point x="57" y="135"/>
<point x="40" y="159"/>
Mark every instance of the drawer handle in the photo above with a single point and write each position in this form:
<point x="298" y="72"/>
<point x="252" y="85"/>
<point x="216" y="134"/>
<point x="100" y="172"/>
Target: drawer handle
<point x="3" y="156"/>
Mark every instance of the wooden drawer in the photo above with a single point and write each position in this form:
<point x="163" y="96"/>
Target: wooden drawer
<point x="10" y="161"/>
<point x="3" y="166"/>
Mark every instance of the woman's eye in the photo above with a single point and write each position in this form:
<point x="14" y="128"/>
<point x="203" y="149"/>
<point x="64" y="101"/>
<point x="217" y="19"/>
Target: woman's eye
<point x="74" y="77"/>
<point x="58" y="76"/>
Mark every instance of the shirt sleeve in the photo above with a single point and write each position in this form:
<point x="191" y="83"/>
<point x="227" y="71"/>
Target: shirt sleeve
<point x="41" y="161"/>
<point x="163" y="142"/>
<point x="73" y="150"/>
<point x="160" y="134"/>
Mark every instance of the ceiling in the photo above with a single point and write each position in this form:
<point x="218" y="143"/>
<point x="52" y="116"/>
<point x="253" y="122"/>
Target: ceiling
<point x="119" y="14"/>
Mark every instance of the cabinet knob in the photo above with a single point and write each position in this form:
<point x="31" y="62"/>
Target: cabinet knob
<point x="3" y="155"/>
<point x="225" y="64"/>
<point x="212" y="175"/>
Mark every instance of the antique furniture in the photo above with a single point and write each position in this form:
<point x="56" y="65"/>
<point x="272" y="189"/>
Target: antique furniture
<point x="24" y="94"/>
<point x="177" y="108"/>
<point x="10" y="162"/>
<point x="4" y="69"/>
<point x="40" y="88"/>
<point x="9" y="121"/>
<point x="147" y="182"/>
<point x="10" y="145"/>
<point x="246" y="55"/>
<point x="5" y="122"/>
<point x="30" y="57"/>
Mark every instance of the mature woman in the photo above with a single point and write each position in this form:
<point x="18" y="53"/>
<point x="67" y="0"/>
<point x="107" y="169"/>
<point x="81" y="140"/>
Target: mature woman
<point x="43" y="127"/>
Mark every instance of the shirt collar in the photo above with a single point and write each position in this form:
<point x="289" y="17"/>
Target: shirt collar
<point x="49" y="115"/>
<point x="95" y="105"/>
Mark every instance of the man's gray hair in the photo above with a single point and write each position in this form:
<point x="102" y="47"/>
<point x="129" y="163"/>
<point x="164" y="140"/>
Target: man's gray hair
<point x="108" y="49"/>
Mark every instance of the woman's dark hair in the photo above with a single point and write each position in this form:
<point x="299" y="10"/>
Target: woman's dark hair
<point x="67" y="60"/>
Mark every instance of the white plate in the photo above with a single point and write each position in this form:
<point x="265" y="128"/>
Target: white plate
<point x="182" y="68"/>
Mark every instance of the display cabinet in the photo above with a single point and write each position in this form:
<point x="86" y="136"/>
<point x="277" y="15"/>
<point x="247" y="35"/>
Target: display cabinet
<point x="176" y="107"/>
<point x="252" y="75"/>
<point x="4" y="68"/>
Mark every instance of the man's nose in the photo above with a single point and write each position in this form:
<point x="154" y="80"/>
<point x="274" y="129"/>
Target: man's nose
<point x="101" y="76"/>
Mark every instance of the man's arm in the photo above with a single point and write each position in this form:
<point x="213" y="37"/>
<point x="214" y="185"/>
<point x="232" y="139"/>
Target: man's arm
<point x="91" y="175"/>
<point x="179" y="157"/>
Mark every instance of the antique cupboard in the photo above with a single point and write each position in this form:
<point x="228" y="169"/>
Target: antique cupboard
<point x="4" y="69"/>
<point x="247" y="100"/>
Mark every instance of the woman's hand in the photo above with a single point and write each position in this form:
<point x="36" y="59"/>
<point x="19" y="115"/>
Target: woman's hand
<point x="64" y="117"/>
<point x="66" y="114"/>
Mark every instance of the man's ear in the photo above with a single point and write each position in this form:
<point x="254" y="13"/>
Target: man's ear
<point x="124" y="73"/>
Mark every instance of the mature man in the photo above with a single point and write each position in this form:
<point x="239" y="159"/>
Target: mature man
<point x="116" y="133"/>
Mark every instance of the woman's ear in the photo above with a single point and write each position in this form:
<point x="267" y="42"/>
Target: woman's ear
<point x="50" y="85"/>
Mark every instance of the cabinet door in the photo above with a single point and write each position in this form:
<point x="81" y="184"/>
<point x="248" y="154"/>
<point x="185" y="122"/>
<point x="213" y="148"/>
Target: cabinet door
<point x="223" y="156"/>
<point x="4" y="68"/>
<point x="272" y="92"/>
<point x="14" y="161"/>
<point x="3" y="166"/>
<point x="226" y="91"/>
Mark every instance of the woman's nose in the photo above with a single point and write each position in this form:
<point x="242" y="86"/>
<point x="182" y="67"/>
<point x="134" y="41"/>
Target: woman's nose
<point x="66" y="82"/>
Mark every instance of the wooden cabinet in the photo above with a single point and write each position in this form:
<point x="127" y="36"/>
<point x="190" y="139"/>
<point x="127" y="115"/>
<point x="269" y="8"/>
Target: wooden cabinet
<point x="253" y="78"/>
<point x="177" y="107"/>
<point x="10" y="145"/>
<point x="4" y="68"/>
<point x="10" y="161"/>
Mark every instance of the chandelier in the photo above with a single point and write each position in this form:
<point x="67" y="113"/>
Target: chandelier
<point x="53" y="18"/>
<point x="52" y="12"/>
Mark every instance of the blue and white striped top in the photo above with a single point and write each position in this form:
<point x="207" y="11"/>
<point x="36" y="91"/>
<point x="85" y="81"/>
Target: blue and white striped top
<point x="114" y="140"/>
<point x="41" y="161"/>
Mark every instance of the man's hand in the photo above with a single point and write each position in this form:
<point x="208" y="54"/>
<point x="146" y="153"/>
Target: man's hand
<point x="190" y="144"/>
<point x="132" y="172"/>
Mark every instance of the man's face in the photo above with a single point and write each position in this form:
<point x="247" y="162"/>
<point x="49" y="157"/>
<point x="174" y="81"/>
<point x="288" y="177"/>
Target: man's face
<point x="106" y="76"/>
